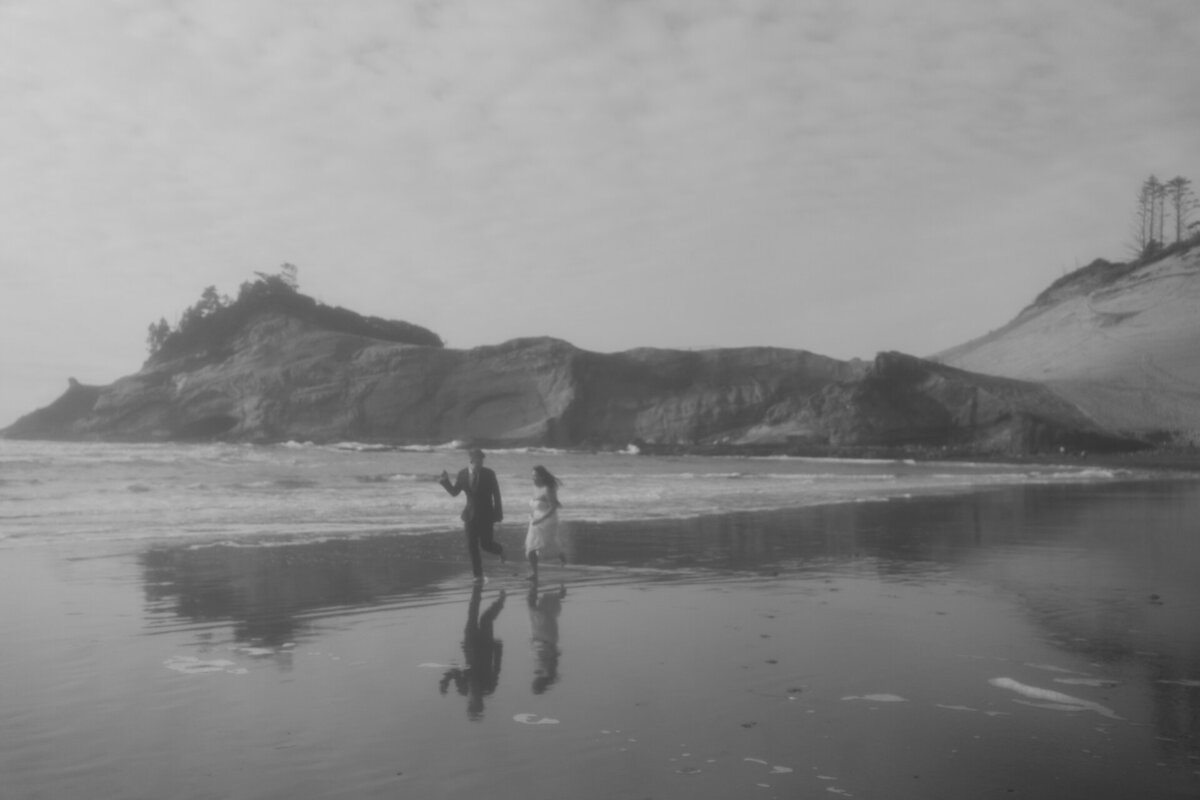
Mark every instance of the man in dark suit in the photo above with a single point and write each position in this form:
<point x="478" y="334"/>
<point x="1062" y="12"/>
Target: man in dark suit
<point x="483" y="509"/>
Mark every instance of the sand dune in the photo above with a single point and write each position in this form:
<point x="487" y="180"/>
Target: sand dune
<point x="1124" y="347"/>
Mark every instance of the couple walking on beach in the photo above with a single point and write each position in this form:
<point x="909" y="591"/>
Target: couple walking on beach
<point x="484" y="508"/>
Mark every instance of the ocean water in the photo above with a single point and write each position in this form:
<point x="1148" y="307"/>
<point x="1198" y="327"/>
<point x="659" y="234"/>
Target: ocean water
<point x="112" y="495"/>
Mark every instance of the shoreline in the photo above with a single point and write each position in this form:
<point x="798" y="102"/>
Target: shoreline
<point x="1184" y="459"/>
<point x="1175" y="458"/>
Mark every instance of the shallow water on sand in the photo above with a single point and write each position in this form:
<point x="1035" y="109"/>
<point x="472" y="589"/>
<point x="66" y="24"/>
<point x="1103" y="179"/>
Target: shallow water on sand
<point x="1030" y="641"/>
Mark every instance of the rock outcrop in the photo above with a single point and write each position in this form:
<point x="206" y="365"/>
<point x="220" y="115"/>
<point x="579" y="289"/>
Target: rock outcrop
<point x="904" y="401"/>
<point x="280" y="376"/>
<point x="60" y="419"/>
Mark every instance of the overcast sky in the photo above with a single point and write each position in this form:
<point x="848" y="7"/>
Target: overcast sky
<point x="841" y="176"/>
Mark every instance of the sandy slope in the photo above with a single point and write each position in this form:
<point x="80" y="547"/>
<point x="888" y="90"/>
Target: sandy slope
<point x="1127" y="351"/>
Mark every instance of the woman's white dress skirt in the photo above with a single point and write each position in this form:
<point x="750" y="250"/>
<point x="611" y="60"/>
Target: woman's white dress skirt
<point x="542" y="537"/>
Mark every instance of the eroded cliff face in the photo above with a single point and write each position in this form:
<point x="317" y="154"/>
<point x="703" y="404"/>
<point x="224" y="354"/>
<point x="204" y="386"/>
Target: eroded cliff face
<point x="282" y="378"/>
<point x="672" y="396"/>
<point x="904" y="401"/>
<point x="285" y="379"/>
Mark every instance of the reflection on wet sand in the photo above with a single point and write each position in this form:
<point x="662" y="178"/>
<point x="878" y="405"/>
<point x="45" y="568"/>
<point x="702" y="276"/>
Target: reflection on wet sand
<point x="544" y="610"/>
<point x="483" y="653"/>
<point x="269" y="592"/>
<point x="1104" y="572"/>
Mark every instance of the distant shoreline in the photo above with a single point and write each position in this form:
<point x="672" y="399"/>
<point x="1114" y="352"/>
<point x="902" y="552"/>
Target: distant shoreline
<point x="1177" y="459"/>
<point x="1172" y="459"/>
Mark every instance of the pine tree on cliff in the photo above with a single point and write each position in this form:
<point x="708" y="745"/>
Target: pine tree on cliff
<point x="1179" y="192"/>
<point x="159" y="331"/>
<point x="1148" y="221"/>
<point x="1143" y="230"/>
<point x="1160" y="198"/>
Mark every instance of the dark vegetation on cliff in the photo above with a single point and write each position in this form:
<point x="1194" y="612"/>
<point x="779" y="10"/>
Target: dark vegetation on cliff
<point x="210" y="325"/>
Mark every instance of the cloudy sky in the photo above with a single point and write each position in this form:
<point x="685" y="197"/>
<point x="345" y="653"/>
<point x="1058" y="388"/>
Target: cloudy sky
<point x="842" y="176"/>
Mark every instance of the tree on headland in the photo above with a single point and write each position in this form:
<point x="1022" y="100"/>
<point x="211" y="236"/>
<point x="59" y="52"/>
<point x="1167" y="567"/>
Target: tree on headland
<point x="1148" y="220"/>
<point x="207" y="325"/>
<point x="1156" y="201"/>
<point x="288" y="274"/>
<point x="1183" y="202"/>
<point x="211" y="302"/>
<point x="205" y="319"/>
<point x="1160" y="198"/>
<point x="159" y="331"/>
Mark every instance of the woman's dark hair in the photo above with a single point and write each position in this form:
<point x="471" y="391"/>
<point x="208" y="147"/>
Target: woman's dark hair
<point x="542" y="477"/>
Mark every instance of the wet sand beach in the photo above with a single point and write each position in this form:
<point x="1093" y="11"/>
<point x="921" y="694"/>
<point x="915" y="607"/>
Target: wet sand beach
<point x="1030" y="641"/>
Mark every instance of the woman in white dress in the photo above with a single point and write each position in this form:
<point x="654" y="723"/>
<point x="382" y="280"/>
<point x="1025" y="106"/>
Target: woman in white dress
<point x="542" y="536"/>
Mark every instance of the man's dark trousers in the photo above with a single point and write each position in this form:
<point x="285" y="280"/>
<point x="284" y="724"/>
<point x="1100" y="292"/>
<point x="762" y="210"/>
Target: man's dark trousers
<point x="480" y="534"/>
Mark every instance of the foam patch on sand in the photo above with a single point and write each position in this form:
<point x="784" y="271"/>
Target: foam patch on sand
<point x="1048" y="698"/>
<point x="776" y="769"/>
<point x="256" y="652"/>
<point x="534" y="719"/>
<point x="190" y="665"/>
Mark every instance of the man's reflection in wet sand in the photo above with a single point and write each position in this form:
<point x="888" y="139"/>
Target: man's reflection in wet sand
<point x="543" y="634"/>
<point x="482" y="652"/>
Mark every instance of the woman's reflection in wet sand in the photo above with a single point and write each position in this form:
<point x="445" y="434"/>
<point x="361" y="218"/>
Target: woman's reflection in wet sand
<point x="543" y="634"/>
<point x="482" y="653"/>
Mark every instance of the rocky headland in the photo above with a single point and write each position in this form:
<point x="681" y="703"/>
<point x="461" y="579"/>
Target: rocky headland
<point x="277" y="366"/>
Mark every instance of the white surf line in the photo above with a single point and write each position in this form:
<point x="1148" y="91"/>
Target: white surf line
<point x="1057" y="700"/>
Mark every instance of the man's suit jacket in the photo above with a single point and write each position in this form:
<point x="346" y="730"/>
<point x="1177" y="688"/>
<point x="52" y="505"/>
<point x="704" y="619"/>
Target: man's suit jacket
<point x="483" y="499"/>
